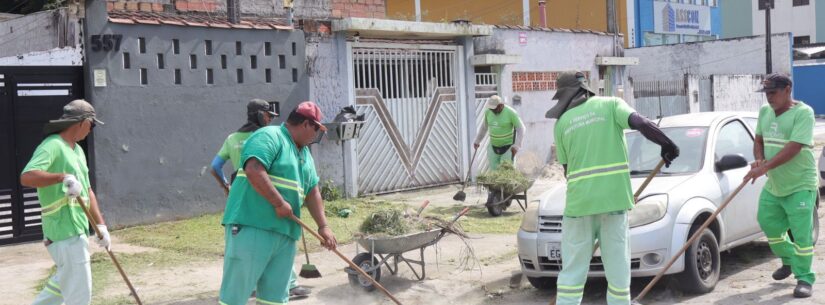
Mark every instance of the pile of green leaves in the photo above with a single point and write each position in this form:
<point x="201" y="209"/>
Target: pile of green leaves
<point x="506" y="179"/>
<point x="391" y="222"/>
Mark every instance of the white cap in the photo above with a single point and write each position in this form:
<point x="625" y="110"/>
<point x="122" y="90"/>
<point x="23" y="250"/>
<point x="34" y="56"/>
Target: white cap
<point x="493" y="102"/>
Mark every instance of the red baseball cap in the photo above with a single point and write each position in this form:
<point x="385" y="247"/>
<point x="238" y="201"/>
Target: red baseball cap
<point x="311" y="112"/>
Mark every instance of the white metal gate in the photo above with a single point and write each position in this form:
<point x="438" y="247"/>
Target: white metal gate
<point x="411" y="135"/>
<point x="486" y="86"/>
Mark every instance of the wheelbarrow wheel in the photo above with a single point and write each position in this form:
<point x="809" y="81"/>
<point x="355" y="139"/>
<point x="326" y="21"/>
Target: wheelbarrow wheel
<point x="366" y="261"/>
<point x="495" y="206"/>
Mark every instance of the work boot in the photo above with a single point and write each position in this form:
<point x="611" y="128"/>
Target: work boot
<point x="802" y="290"/>
<point x="782" y="273"/>
<point x="299" y="291"/>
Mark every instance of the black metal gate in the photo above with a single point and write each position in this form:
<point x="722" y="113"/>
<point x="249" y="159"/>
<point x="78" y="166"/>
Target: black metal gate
<point x="29" y="97"/>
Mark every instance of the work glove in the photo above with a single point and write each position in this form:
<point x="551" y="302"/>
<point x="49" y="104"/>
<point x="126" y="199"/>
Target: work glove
<point x="669" y="153"/>
<point x="73" y="187"/>
<point x="104" y="240"/>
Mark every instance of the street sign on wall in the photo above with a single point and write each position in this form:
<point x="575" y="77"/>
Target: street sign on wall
<point x="675" y="18"/>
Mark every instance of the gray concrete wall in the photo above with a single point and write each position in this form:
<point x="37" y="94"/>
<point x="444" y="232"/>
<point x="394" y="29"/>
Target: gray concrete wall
<point x="328" y="88"/>
<point x="544" y="51"/>
<point x="737" y="93"/>
<point x="40" y="31"/>
<point x="69" y="56"/>
<point x="152" y="156"/>
<point x="728" y="56"/>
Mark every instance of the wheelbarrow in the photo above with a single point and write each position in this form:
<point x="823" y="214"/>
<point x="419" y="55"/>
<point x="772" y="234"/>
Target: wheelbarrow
<point x="389" y="252"/>
<point x="498" y="199"/>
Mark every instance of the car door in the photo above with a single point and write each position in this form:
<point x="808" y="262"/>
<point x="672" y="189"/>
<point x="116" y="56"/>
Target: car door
<point x="740" y="215"/>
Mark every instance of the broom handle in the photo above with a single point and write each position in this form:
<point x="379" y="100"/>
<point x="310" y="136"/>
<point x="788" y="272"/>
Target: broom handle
<point x="690" y="241"/>
<point x="349" y="262"/>
<point x="635" y="198"/>
<point x="111" y="255"/>
<point x="306" y="250"/>
<point x="648" y="179"/>
<point x="469" y="169"/>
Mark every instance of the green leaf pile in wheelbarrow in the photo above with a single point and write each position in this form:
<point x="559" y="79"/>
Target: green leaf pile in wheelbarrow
<point x="392" y="222"/>
<point x="506" y="179"/>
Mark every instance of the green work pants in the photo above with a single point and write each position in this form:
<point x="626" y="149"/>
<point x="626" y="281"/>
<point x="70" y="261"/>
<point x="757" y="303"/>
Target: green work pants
<point x="795" y="212"/>
<point x="495" y="159"/>
<point x="72" y="282"/>
<point x="578" y="237"/>
<point x="256" y="260"/>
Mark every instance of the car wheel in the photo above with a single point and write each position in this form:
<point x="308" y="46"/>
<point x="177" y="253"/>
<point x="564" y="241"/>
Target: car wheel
<point x="542" y="283"/>
<point x="365" y="261"/>
<point x="701" y="264"/>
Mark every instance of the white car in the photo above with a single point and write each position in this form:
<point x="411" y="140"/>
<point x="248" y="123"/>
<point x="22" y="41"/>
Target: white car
<point x="716" y="149"/>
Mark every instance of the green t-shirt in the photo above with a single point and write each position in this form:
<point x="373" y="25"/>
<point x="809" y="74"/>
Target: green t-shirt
<point x="62" y="217"/>
<point x="590" y="140"/>
<point x="797" y="125"/>
<point x="291" y="171"/>
<point x="502" y="126"/>
<point x="231" y="148"/>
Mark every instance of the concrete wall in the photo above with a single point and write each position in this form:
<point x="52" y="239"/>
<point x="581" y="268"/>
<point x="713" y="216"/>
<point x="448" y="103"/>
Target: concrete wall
<point x="544" y="51"/>
<point x="579" y="14"/>
<point x="734" y="22"/>
<point x="744" y="55"/>
<point x="737" y="93"/>
<point x="807" y="86"/>
<point x="153" y="154"/>
<point x="69" y="56"/>
<point x="40" y="31"/>
<point x="799" y="20"/>
<point x="310" y="9"/>
<point x="328" y="88"/>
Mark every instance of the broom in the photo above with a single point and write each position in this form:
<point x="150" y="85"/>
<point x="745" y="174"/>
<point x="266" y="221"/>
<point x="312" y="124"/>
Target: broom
<point x="308" y="271"/>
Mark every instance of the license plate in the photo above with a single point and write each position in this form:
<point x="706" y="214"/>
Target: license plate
<point x="554" y="251"/>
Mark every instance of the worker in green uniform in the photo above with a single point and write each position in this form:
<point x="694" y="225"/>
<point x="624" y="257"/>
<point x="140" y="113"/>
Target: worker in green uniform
<point x="590" y="144"/>
<point x="259" y="113"/>
<point x="278" y="177"/>
<point x="506" y="132"/>
<point x="506" y="135"/>
<point x="59" y="171"/>
<point x="784" y="151"/>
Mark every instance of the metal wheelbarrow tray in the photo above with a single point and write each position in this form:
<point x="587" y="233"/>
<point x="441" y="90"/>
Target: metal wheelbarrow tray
<point x="388" y="251"/>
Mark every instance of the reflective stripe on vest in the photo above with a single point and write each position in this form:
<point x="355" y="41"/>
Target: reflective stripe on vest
<point x="780" y="143"/>
<point x="598" y="171"/>
<point x="280" y="182"/>
<point x="53" y="207"/>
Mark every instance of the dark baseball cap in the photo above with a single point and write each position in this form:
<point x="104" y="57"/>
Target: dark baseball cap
<point x="775" y="81"/>
<point x="257" y="104"/>
<point x="74" y="112"/>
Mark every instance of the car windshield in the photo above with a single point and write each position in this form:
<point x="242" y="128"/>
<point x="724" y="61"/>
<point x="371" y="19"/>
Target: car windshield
<point x="644" y="155"/>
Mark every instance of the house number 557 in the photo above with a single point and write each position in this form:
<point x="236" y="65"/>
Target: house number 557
<point x="106" y="42"/>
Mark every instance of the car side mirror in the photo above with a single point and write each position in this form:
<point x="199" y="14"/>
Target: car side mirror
<point x="729" y="162"/>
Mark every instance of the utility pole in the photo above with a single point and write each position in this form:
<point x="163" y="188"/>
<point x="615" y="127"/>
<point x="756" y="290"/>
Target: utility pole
<point x="612" y="79"/>
<point x="768" y="63"/>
